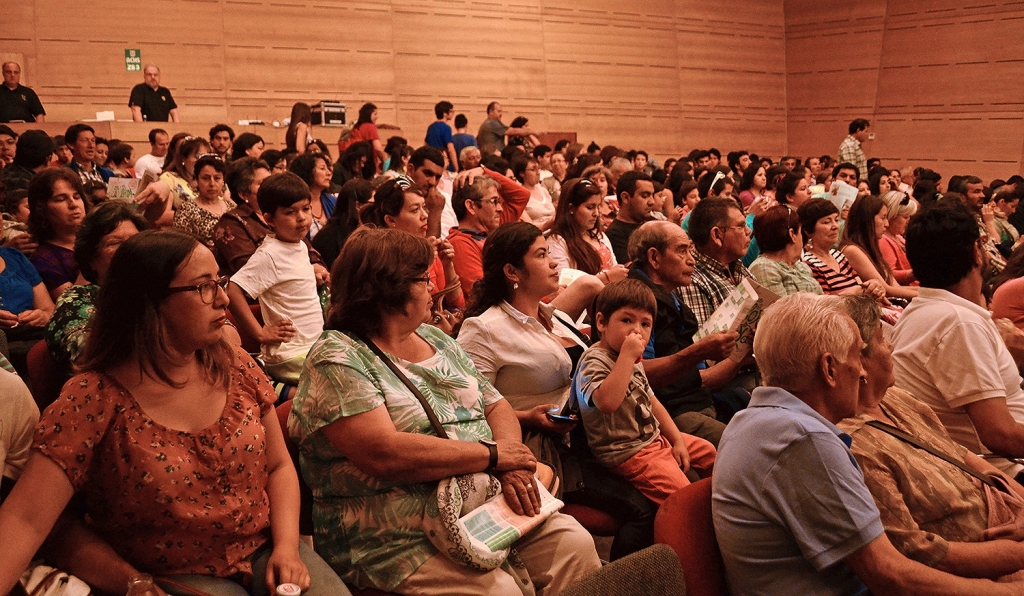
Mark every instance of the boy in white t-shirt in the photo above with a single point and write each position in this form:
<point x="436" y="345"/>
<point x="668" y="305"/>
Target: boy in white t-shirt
<point x="281" y="277"/>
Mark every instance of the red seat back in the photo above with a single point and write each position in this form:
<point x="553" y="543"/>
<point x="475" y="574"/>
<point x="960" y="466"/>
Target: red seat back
<point x="684" y="523"/>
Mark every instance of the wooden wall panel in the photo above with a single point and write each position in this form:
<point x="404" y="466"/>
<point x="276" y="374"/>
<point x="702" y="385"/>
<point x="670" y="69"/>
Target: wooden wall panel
<point x="665" y="75"/>
<point x="942" y="82"/>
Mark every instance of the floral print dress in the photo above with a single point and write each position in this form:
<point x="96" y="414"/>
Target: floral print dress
<point x="168" y="501"/>
<point x="370" y="529"/>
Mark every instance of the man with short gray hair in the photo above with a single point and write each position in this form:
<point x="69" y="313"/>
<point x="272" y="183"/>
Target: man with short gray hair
<point x="791" y="511"/>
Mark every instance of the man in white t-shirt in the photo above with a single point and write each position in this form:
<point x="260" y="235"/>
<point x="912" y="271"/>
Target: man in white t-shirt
<point x="153" y="161"/>
<point x="948" y="351"/>
<point x="281" y="277"/>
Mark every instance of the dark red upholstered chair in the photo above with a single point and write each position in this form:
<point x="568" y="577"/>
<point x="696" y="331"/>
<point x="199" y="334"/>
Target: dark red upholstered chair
<point x="684" y="523"/>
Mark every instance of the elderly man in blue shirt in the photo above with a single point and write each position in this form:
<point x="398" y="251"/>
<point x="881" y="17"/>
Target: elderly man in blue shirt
<point x="791" y="511"/>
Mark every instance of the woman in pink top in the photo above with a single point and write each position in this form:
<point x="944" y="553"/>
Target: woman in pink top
<point x="1008" y="291"/>
<point x="891" y="243"/>
<point x="753" y="184"/>
<point x="171" y="437"/>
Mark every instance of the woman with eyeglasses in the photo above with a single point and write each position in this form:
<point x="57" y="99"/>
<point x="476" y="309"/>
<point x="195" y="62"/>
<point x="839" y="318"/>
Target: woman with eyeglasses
<point x="867" y="221"/>
<point x="576" y="240"/>
<point x="778" y="267"/>
<point x="170" y="437"/>
<point x="891" y="243"/>
<point x="397" y="205"/>
<point x="373" y="458"/>
<point x="200" y="216"/>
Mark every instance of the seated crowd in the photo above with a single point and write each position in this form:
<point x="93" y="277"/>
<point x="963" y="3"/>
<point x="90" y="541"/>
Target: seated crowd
<point x="492" y="314"/>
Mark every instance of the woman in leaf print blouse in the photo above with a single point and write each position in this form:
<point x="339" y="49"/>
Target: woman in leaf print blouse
<point x="171" y="437"/>
<point x="370" y="454"/>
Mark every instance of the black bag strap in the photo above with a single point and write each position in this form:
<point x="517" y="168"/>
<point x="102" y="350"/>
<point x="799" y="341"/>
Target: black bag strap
<point x="908" y="438"/>
<point x="572" y="327"/>
<point x="434" y="422"/>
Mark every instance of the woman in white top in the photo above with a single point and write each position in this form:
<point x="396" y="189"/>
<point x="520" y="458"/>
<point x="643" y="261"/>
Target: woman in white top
<point x="540" y="209"/>
<point x="528" y="349"/>
<point x="576" y="240"/>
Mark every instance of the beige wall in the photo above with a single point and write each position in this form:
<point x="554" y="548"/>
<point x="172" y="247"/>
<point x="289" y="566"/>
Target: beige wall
<point x="941" y="81"/>
<point x="664" y="75"/>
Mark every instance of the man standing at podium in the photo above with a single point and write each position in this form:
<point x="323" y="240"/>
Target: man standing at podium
<point x="151" y="102"/>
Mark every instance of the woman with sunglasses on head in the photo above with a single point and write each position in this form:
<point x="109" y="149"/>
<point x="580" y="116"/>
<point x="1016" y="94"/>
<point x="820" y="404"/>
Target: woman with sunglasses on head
<point x="778" y="267"/>
<point x="891" y="243"/>
<point x="397" y="205"/>
<point x="576" y="240"/>
<point x="170" y="436"/>
<point x="200" y="216"/>
<point x="179" y="171"/>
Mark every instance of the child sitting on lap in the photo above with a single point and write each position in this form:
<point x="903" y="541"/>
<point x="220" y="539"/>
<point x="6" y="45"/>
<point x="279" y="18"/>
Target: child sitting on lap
<point x="627" y="428"/>
<point x="281" y="277"/>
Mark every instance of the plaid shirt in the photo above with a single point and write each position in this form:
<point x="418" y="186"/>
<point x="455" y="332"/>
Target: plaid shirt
<point x="711" y="285"/>
<point x="850" y="151"/>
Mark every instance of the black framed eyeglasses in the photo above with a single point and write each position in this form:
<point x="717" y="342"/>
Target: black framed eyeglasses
<point x="207" y="290"/>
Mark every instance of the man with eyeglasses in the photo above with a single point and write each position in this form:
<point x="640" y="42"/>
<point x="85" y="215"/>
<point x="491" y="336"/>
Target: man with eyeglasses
<point x="483" y="200"/>
<point x="151" y="102"/>
<point x="721" y="238"/>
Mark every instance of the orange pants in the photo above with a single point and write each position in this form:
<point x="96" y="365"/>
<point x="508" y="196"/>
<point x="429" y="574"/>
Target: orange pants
<point x="654" y="471"/>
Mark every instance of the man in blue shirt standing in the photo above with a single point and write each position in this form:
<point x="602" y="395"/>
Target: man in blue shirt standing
<point x="439" y="134"/>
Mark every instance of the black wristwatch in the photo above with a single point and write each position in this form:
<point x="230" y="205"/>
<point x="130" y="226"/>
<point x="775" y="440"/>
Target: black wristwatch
<point x="493" y="447"/>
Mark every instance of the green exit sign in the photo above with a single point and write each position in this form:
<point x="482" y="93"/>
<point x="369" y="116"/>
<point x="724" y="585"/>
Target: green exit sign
<point x="132" y="60"/>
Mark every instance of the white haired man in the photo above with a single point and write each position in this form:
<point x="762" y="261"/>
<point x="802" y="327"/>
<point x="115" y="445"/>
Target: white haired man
<point x="792" y="513"/>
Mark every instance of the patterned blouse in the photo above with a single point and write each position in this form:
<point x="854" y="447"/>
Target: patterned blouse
<point x="830" y="280"/>
<point x="181" y="189"/>
<point x="783" y="278"/>
<point x="924" y="501"/>
<point x="65" y="335"/>
<point x="167" y="501"/>
<point x="370" y="529"/>
<point x="191" y="218"/>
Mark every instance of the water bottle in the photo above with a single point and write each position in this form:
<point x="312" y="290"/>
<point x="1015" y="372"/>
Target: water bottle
<point x="142" y="585"/>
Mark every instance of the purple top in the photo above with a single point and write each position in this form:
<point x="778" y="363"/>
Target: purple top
<point x="55" y="264"/>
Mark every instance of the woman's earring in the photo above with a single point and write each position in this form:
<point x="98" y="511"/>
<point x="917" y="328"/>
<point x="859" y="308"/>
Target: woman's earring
<point x="515" y="285"/>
